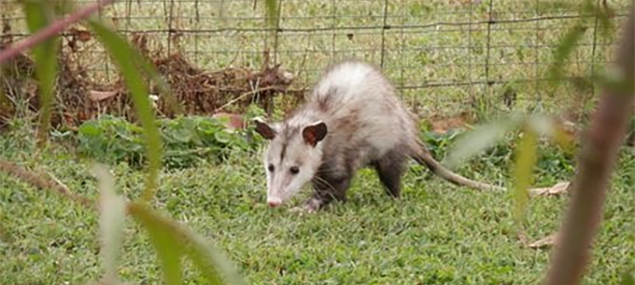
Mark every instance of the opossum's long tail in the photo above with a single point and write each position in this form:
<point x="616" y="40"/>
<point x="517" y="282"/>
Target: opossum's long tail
<point x="423" y="156"/>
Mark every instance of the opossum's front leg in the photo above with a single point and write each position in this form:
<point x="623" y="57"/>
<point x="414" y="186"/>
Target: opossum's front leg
<point x="327" y="189"/>
<point x="331" y="182"/>
<point x="328" y="185"/>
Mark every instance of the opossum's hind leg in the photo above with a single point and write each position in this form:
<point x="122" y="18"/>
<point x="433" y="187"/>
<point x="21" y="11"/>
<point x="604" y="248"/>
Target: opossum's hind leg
<point x="390" y="168"/>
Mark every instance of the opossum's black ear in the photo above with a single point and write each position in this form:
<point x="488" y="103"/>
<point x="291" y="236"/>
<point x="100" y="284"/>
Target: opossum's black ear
<point x="314" y="133"/>
<point x="264" y="130"/>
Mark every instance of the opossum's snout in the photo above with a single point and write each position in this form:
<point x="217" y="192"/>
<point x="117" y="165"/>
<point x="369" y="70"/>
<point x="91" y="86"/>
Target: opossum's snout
<point x="280" y="191"/>
<point x="284" y="185"/>
<point x="274" y="202"/>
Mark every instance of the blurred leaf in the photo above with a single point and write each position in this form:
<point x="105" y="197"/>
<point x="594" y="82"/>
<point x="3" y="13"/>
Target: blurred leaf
<point x="111" y="220"/>
<point x="615" y="80"/>
<point x="165" y="241"/>
<point x="563" y="51"/>
<point x="272" y="13"/>
<point x="479" y="139"/>
<point x="541" y="124"/>
<point x="209" y="262"/>
<point x="526" y="156"/>
<point x="563" y="138"/>
<point x="546" y="126"/>
<point x="39" y="15"/>
<point x="603" y="14"/>
<point x="612" y="80"/>
<point x="128" y="59"/>
<point x="64" y="7"/>
<point x="628" y="278"/>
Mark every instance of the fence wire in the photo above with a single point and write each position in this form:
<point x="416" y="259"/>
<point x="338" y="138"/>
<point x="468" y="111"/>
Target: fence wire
<point x="441" y="55"/>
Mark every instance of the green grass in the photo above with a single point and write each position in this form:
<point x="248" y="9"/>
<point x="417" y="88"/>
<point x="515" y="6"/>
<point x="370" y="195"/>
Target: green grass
<point x="437" y="234"/>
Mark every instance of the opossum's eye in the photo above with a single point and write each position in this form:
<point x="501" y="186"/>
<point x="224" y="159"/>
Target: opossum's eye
<point x="270" y="167"/>
<point x="294" y="170"/>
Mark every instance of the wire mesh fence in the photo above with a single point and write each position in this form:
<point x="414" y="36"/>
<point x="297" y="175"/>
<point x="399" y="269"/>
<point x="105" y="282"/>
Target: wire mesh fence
<point x="443" y="56"/>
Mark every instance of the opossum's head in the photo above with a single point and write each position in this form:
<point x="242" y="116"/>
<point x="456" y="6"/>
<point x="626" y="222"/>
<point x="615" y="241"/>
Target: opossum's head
<point x="292" y="158"/>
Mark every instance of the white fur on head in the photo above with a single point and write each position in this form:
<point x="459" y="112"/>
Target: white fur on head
<point x="292" y="158"/>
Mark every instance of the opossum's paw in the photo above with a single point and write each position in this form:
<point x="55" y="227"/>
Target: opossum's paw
<point x="302" y="210"/>
<point x="310" y="206"/>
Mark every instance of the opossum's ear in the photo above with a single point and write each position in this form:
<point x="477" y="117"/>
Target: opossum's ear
<point x="264" y="130"/>
<point x="314" y="133"/>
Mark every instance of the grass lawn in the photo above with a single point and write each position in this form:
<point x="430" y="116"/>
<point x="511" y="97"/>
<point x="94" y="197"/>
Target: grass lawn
<point x="437" y="234"/>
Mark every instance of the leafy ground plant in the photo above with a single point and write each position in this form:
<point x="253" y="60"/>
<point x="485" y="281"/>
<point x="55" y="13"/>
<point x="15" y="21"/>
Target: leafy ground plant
<point x="187" y="141"/>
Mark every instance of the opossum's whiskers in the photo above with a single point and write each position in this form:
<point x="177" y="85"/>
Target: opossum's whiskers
<point x="322" y="182"/>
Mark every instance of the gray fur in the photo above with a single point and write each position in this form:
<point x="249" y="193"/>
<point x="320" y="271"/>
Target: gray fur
<point x="366" y="126"/>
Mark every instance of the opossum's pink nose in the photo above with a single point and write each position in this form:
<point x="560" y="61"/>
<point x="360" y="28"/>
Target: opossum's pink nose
<point x="274" y="203"/>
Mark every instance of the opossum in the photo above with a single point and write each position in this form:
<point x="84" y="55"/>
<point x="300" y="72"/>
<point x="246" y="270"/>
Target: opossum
<point x="352" y="119"/>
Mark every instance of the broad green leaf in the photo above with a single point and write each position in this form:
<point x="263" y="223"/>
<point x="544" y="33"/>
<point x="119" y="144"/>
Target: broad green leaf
<point x="128" y="60"/>
<point x="206" y="258"/>
<point x="526" y="156"/>
<point x="223" y="137"/>
<point x="112" y="210"/>
<point x="479" y="139"/>
<point x="190" y="126"/>
<point x="89" y="129"/>
<point x="38" y="15"/>
<point x="182" y="135"/>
